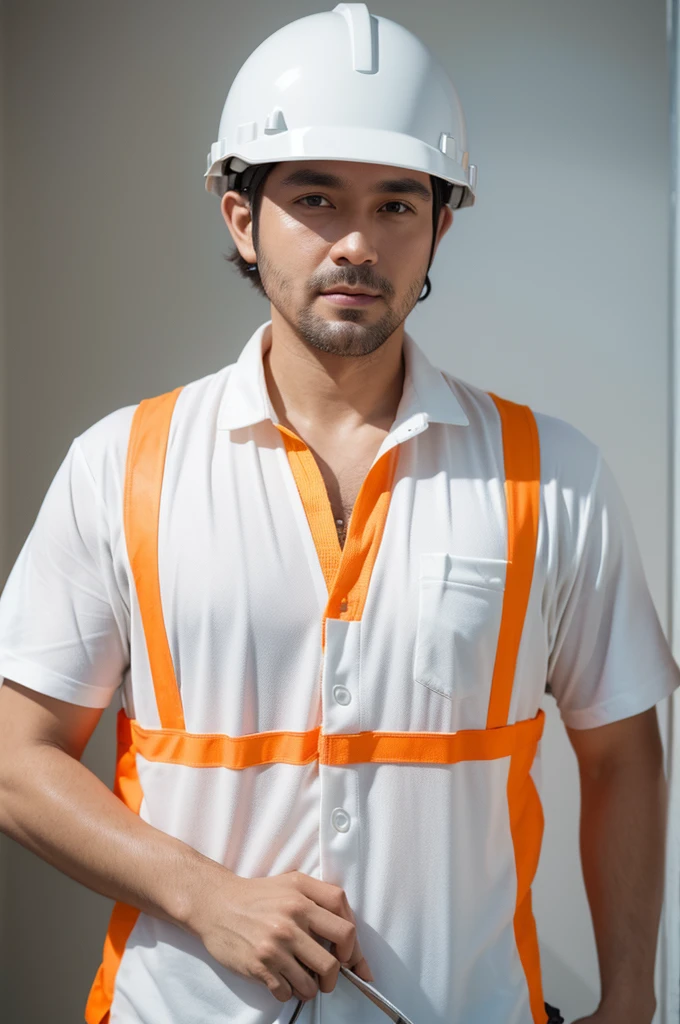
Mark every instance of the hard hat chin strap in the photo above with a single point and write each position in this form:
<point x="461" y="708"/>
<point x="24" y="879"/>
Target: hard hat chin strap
<point x="252" y="178"/>
<point x="441" y="194"/>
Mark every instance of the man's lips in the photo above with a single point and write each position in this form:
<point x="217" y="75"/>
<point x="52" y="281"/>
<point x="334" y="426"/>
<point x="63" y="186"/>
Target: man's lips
<point x="354" y="299"/>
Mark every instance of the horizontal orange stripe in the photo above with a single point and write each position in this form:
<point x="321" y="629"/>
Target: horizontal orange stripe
<point x="430" y="747"/>
<point x="216" y="750"/>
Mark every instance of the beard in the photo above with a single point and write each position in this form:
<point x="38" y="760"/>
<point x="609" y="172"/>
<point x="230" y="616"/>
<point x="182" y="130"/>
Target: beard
<point x="349" y="335"/>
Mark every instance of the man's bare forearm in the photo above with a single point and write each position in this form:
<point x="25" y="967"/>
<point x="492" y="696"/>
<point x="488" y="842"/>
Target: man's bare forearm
<point x="623" y="825"/>
<point x="53" y="805"/>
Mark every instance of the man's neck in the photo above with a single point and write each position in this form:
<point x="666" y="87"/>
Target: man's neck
<point x="317" y="390"/>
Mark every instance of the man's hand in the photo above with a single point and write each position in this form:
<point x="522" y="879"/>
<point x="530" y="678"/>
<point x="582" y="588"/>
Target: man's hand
<point x="262" y="929"/>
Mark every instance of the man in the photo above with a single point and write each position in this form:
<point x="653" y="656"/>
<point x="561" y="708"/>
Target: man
<point x="330" y="582"/>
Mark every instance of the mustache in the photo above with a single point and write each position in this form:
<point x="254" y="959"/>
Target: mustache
<point x="356" y="280"/>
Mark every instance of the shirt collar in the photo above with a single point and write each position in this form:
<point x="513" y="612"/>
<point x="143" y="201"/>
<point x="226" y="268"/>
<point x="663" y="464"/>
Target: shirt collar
<point x="426" y="396"/>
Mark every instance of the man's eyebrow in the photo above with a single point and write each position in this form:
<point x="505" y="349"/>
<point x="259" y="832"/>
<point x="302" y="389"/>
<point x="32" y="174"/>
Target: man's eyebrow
<point x="403" y="186"/>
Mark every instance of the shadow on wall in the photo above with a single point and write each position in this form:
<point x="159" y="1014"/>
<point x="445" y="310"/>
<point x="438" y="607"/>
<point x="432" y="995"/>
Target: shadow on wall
<point x="563" y="988"/>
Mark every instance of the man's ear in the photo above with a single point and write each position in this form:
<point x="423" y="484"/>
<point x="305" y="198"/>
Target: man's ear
<point x="445" y="222"/>
<point x="235" y="209"/>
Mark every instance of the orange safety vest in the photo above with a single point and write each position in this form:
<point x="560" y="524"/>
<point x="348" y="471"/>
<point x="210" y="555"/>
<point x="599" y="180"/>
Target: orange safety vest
<point x="174" y="745"/>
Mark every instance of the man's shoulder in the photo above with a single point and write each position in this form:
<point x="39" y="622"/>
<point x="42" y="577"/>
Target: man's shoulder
<point x="569" y="458"/>
<point x="106" y="440"/>
<point x="104" y="444"/>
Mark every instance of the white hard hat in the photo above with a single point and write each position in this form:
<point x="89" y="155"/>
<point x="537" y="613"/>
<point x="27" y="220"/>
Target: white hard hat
<point x="344" y="85"/>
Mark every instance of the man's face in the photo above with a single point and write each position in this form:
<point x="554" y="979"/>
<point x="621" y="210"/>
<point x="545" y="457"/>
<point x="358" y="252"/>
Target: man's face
<point x="330" y="223"/>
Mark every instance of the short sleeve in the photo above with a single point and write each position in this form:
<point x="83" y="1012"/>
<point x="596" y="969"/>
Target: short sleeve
<point x="63" y="623"/>
<point x="609" y="659"/>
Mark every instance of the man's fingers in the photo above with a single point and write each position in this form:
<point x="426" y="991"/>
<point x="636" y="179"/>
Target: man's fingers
<point x="363" y="970"/>
<point x="332" y="918"/>
<point x="339" y="931"/>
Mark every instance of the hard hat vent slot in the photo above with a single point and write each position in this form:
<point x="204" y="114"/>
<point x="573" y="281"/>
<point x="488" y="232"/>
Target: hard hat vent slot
<point x="246" y="132"/>
<point x="364" y="35"/>
<point x="275" y="123"/>
<point x="449" y="146"/>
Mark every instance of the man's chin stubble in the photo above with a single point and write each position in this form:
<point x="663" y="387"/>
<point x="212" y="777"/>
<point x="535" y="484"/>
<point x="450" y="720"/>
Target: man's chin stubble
<point x="350" y="335"/>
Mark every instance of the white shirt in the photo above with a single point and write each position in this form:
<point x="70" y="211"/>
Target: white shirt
<point x="422" y="851"/>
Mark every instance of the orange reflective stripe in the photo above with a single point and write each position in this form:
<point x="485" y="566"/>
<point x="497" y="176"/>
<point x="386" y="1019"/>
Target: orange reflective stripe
<point x="522" y="492"/>
<point x="216" y="750"/>
<point x="123" y="917"/>
<point x="521" y="453"/>
<point x="429" y="747"/>
<point x="526" y="826"/>
<point x="126" y="784"/>
<point x="366" y="527"/>
<point x="143" y="482"/>
<point x="347" y="570"/>
<point x="314" y="497"/>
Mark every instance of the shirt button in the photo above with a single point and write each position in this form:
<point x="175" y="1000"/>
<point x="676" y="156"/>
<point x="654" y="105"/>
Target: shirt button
<point x="342" y="694"/>
<point x="340" y="820"/>
<point x="343" y="605"/>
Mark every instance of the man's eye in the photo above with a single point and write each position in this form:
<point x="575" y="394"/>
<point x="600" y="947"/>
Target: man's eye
<point x="398" y="202"/>
<point x="314" y="205"/>
<point x="317" y="206"/>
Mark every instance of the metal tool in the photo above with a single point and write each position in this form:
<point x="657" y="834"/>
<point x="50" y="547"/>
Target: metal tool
<point x="369" y="990"/>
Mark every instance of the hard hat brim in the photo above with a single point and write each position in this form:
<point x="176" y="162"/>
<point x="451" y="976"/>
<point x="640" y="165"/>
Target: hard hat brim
<point x="365" y="145"/>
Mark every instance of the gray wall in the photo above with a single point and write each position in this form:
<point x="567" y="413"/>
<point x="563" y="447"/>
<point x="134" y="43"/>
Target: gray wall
<point x="552" y="290"/>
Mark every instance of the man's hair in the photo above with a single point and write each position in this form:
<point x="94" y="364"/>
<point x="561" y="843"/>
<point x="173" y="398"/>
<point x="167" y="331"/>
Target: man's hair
<point x="243" y="267"/>
<point x="251" y="272"/>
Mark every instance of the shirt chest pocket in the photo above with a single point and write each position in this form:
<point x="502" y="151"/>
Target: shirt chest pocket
<point x="460" y="604"/>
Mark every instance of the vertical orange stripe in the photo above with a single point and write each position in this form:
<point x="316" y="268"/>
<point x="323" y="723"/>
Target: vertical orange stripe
<point x="526" y="826"/>
<point x="143" y="482"/>
<point x="364" y="536"/>
<point x="522" y="459"/>
<point x="347" y="571"/>
<point x="312" y="490"/>
<point x="127" y="788"/>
